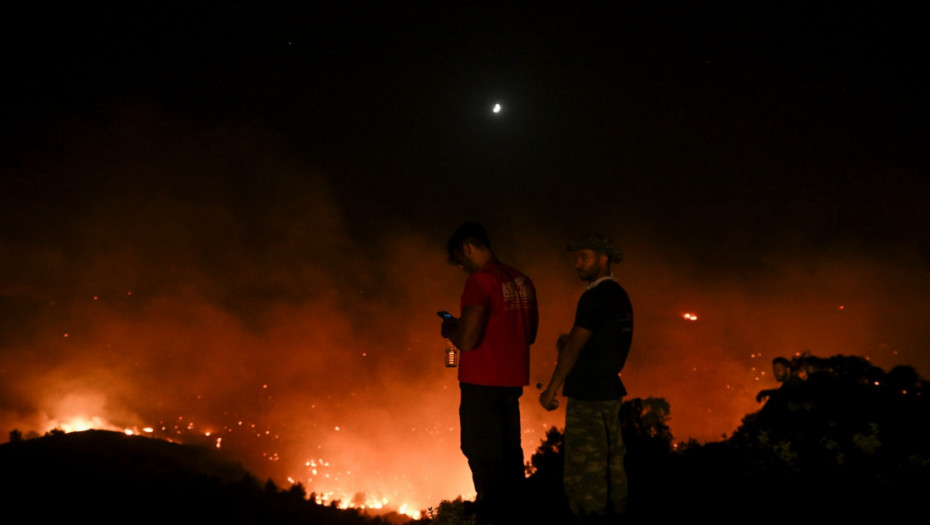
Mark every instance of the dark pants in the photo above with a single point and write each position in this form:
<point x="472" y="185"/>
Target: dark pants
<point x="490" y="421"/>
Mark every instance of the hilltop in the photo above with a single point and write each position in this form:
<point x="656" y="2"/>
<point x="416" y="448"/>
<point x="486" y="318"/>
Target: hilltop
<point x="848" y="444"/>
<point x="111" y="477"/>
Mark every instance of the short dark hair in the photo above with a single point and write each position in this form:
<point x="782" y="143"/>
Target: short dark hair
<point x="470" y="232"/>
<point x="781" y="360"/>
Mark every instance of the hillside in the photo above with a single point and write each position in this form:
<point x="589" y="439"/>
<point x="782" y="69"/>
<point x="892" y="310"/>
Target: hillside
<point x="109" y="477"/>
<point x="847" y="445"/>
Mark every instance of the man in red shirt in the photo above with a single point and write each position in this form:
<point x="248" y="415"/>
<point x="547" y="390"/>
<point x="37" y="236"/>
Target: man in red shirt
<point x="497" y="325"/>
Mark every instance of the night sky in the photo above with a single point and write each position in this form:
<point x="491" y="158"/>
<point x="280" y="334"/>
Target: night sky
<point x="234" y="217"/>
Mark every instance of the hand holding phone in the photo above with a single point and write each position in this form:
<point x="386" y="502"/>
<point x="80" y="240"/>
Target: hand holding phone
<point x="449" y="322"/>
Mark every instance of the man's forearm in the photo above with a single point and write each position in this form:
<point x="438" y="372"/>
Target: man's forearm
<point x="470" y="328"/>
<point x="566" y="361"/>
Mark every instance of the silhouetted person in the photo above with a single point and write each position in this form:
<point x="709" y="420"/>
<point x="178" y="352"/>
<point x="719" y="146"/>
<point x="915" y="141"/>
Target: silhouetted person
<point x="784" y="374"/>
<point x="589" y="363"/>
<point x="497" y="325"/>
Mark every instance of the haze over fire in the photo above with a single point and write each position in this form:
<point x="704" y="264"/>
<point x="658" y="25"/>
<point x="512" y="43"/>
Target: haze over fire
<point x="218" y="305"/>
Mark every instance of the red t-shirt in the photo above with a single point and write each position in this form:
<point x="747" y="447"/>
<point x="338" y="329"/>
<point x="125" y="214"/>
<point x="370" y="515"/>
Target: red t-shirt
<point x="502" y="358"/>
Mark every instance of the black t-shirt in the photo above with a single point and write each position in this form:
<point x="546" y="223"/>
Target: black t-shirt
<point x="606" y="311"/>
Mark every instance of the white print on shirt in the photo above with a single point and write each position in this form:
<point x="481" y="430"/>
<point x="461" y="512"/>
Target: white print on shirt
<point x="517" y="295"/>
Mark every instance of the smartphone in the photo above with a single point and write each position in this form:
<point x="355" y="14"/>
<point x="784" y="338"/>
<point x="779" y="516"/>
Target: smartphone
<point x="444" y="314"/>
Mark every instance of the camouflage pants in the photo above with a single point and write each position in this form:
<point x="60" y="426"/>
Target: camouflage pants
<point x="595" y="479"/>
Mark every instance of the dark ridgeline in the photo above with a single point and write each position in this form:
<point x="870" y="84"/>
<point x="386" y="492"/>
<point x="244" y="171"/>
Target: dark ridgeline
<point x="109" y="477"/>
<point x="847" y="444"/>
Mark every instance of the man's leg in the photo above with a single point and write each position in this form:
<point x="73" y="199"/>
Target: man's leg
<point x="617" y="482"/>
<point x="513" y="473"/>
<point x="594" y="480"/>
<point x="490" y="425"/>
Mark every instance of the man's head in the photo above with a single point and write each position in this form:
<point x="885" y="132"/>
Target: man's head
<point x="469" y="247"/>
<point x="593" y="255"/>
<point x="781" y="368"/>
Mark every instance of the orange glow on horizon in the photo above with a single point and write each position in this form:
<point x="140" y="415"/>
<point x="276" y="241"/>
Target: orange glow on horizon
<point x="313" y="376"/>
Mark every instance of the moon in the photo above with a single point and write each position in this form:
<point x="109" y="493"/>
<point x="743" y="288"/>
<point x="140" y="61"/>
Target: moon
<point x="496" y="108"/>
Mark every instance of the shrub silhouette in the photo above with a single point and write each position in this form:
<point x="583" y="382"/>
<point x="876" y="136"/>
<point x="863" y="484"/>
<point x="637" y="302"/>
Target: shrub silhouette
<point x="847" y="444"/>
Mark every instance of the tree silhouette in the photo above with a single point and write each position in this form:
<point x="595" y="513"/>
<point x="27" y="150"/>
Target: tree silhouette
<point x="848" y="441"/>
<point x="644" y="424"/>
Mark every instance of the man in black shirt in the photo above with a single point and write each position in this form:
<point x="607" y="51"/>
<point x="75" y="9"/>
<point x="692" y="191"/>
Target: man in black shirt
<point x="590" y="359"/>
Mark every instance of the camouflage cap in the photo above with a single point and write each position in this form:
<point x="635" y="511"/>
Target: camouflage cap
<point x="598" y="243"/>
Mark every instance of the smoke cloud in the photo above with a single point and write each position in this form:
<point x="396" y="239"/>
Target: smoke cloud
<point x="215" y="287"/>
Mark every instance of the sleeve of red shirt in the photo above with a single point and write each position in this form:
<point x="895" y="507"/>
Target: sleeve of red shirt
<point x="534" y="315"/>
<point x="476" y="291"/>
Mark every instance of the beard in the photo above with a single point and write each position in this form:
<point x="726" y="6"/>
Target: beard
<point x="588" y="274"/>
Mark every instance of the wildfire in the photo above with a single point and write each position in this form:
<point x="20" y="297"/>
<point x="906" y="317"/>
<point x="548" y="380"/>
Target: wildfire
<point x="364" y="503"/>
<point x="81" y="423"/>
<point x="272" y="430"/>
<point x="185" y="430"/>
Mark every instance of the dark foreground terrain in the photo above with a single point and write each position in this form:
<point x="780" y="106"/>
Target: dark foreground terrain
<point x="849" y="444"/>
<point x="109" y="477"/>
